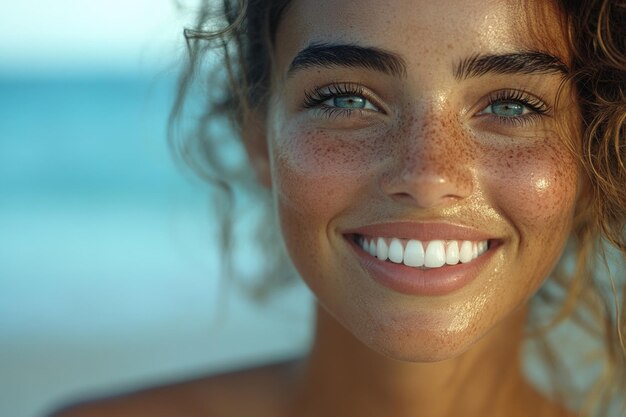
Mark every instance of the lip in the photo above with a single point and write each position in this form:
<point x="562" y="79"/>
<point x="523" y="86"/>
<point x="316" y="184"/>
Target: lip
<point x="422" y="282"/>
<point x="421" y="231"/>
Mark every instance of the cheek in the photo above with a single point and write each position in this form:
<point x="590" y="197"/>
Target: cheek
<point x="535" y="187"/>
<point x="316" y="177"/>
<point x="316" y="173"/>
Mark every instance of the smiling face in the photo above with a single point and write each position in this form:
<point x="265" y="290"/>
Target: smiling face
<point x="423" y="191"/>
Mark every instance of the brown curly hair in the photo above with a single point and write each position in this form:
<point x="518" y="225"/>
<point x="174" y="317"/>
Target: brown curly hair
<point x="240" y="33"/>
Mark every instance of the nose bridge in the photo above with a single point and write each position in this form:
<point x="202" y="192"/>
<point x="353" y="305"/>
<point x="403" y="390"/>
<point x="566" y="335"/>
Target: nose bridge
<point x="433" y="166"/>
<point x="428" y="147"/>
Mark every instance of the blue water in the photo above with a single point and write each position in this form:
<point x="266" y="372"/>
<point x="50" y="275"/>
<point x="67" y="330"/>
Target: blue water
<point x="81" y="135"/>
<point x="109" y="274"/>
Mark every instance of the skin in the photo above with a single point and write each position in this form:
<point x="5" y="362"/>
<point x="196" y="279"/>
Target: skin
<point x="427" y="152"/>
<point x="430" y="156"/>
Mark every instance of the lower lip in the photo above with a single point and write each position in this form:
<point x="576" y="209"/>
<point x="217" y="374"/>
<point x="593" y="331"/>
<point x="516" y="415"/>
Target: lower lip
<point x="413" y="281"/>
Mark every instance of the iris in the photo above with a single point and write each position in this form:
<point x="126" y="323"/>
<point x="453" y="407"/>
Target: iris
<point x="349" y="102"/>
<point x="507" y="109"/>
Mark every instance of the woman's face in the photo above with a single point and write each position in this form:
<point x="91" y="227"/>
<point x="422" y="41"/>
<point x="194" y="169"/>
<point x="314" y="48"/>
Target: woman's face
<point x="430" y="129"/>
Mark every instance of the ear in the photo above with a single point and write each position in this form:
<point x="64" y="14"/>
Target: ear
<point x="254" y="135"/>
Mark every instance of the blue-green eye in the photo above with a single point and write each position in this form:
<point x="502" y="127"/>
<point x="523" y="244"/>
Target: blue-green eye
<point x="506" y="109"/>
<point x="514" y="106"/>
<point x="338" y="100"/>
<point x="349" y="103"/>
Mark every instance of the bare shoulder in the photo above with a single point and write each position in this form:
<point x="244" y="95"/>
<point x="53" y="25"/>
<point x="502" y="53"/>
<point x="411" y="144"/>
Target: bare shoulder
<point x="256" y="391"/>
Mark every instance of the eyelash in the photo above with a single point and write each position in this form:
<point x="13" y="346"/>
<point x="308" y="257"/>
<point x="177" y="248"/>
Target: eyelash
<point x="314" y="99"/>
<point x="538" y="108"/>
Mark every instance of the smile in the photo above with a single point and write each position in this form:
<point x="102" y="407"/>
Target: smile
<point x="423" y="258"/>
<point x="422" y="254"/>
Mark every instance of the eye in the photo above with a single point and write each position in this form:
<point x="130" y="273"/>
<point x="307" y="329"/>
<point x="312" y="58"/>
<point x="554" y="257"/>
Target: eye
<point x="339" y="100"/>
<point x="514" y="107"/>
<point x="350" y="102"/>
<point x="506" y="109"/>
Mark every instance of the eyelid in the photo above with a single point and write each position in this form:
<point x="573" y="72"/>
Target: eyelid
<point x="537" y="107"/>
<point x="319" y="94"/>
<point x="532" y="101"/>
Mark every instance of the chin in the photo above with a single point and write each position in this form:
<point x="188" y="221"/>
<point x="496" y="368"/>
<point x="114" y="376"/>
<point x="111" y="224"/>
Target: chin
<point x="411" y="344"/>
<point x="422" y="353"/>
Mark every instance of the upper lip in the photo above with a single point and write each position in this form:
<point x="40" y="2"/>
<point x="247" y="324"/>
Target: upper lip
<point x="423" y="231"/>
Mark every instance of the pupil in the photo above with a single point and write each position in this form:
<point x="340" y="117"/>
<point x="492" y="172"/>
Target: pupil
<point x="351" y="102"/>
<point x="508" y="109"/>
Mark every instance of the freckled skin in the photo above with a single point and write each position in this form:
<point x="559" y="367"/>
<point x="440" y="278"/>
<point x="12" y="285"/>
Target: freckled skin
<point x="428" y="154"/>
<point x="430" y="158"/>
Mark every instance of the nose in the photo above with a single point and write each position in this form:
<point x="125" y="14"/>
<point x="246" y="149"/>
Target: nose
<point x="432" y="167"/>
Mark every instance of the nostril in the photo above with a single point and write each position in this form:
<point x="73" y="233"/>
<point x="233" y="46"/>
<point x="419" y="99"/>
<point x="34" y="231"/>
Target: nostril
<point x="403" y="198"/>
<point x="428" y="190"/>
<point x="425" y="199"/>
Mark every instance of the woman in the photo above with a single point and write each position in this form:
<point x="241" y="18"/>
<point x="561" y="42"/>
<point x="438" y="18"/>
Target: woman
<point x="431" y="164"/>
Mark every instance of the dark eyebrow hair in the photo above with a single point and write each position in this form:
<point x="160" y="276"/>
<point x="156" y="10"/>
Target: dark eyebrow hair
<point x="527" y="62"/>
<point x="348" y="55"/>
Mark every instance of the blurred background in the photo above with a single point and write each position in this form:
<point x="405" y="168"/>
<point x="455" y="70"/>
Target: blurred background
<point x="109" y="276"/>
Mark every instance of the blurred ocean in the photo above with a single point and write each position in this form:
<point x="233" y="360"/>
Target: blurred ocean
<point x="108" y="266"/>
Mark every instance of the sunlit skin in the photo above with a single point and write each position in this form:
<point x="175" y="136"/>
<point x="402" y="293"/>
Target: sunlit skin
<point x="422" y="144"/>
<point x="427" y="147"/>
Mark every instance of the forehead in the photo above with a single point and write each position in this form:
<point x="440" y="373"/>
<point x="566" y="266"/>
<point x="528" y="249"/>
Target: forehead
<point x="416" y="29"/>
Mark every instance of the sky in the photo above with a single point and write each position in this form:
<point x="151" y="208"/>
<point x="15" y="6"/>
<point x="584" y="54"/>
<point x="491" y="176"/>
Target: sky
<point x="61" y="36"/>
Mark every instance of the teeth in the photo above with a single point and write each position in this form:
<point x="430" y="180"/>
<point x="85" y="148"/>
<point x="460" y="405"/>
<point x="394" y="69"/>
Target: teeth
<point x="452" y="253"/>
<point x="381" y="249"/>
<point x="372" y="248"/>
<point x="396" y="251"/>
<point x="483" y="246"/>
<point x="414" y="253"/>
<point x="465" y="253"/>
<point x="435" y="255"/>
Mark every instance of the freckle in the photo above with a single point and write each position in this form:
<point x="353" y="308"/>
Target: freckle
<point x="450" y="46"/>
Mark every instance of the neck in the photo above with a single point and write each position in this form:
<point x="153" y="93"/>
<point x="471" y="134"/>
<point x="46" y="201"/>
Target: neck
<point x="344" y="377"/>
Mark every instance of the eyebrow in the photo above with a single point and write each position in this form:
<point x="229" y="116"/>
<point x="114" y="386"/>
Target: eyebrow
<point x="324" y="55"/>
<point x="527" y="62"/>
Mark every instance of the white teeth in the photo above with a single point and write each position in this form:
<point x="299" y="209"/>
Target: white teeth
<point x="381" y="249"/>
<point x="372" y="248"/>
<point x="484" y="245"/>
<point x="465" y="252"/>
<point x="452" y="253"/>
<point x="414" y="253"/>
<point x="435" y="255"/>
<point x="396" y="251"/>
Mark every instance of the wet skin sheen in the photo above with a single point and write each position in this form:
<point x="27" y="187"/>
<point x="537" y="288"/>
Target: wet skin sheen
<point x="430" y="149"/>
